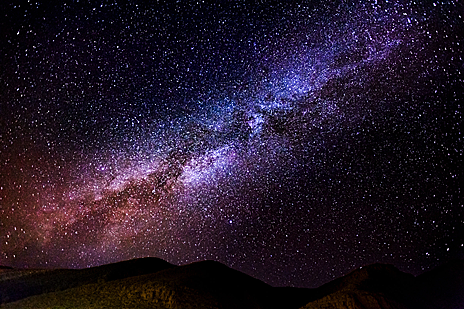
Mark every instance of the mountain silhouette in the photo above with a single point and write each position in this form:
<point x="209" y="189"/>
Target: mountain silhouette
<point x="154" y="283"/>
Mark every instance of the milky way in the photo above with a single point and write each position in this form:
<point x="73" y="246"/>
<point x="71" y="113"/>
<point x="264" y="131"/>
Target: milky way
<point x="292" y="142"/>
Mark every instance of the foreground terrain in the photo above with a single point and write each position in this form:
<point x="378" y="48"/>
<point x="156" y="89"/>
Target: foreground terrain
<point x="154" y="283"/>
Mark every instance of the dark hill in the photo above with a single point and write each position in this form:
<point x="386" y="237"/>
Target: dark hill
<point x="377" y="286"/>
<point x="443" y="287"/>
<point x="19" y="284"/>
<point x="381" y="286"/>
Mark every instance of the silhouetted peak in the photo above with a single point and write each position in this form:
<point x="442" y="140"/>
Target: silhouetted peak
<point x="372" y="278"/>
<point x="210" y="272"/>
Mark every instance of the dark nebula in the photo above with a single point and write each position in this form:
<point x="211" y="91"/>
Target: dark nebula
<point x="293" y="142"/>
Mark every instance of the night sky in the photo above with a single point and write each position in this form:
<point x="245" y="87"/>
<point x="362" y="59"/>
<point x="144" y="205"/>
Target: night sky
<point x="293" y="142"/>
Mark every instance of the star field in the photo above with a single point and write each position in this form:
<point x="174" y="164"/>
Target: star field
<point x="294" y="142"/>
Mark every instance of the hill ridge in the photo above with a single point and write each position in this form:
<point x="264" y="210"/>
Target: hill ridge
<point x="155" y="283"/>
